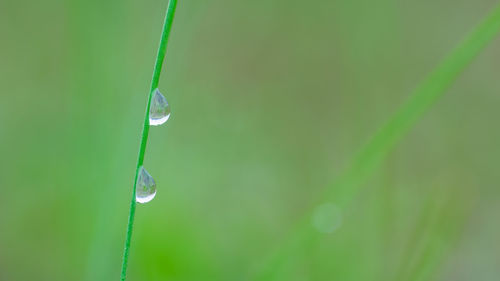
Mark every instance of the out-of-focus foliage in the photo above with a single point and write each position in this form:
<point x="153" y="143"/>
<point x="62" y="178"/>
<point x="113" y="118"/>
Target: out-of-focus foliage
<point x="270" y="102"/>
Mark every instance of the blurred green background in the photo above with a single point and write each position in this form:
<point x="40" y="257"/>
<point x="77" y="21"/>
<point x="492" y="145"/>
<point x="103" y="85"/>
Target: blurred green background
<point x="270" y="102"/>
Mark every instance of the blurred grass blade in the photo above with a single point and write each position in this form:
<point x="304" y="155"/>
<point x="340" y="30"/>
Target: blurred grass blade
<point x="439" y="228"/>
<point x="424" y="96"/>
<point x="385" y="139"/>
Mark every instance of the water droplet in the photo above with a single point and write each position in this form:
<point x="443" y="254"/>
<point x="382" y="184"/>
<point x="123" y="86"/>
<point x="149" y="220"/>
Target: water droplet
<point x="145" y="188"/>
<point x="327" y="218"/>
<point x="159" y="112"/>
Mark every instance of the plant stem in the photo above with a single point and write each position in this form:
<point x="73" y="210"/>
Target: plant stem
<point x="167" y="25"/>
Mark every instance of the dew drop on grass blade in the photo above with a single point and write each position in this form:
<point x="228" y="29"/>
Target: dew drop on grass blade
<point x="146" y="187"/>
<point x="160" y="110"/>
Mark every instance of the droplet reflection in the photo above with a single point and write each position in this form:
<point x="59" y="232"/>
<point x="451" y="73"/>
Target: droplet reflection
<point x="145" y="188"/>
<point x="159" y="111"/>
<point x="327" y="218"/>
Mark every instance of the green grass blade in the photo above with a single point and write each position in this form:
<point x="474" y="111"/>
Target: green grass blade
<point x="441" y="237"/>
<point x="169" y="17"/>
<point x="344" y="189"/>
<point x="424" y="96"/>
